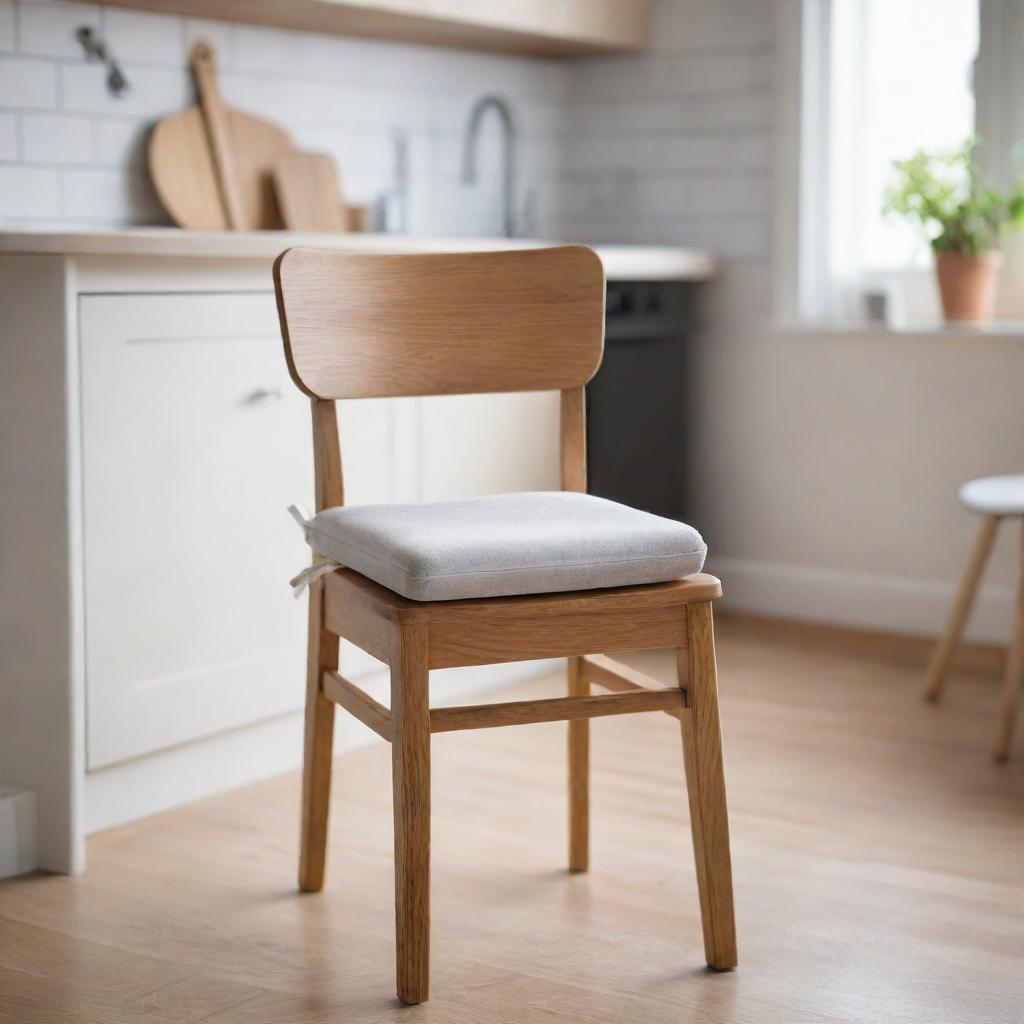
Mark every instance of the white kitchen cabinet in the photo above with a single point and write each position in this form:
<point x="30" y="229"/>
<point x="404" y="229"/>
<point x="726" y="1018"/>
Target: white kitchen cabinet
<point x="194" y="442"/>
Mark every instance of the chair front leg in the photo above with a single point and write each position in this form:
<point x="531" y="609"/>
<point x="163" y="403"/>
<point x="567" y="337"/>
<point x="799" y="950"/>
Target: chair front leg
<point x="705" y="782"/>
<point x="579" y="773"/>
<point x="410" y="759"/>
<point x="319" y="744"/>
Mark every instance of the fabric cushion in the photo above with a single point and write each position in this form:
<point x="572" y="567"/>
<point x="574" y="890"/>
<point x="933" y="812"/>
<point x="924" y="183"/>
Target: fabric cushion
<point x="995" y="495"/>
<point x="529" y="543"/>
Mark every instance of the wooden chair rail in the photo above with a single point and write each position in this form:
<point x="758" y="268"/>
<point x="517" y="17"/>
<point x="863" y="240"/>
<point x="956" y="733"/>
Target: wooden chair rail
<point x="635" y="693"/>
<point x="554" y="709"/>
<point x="609" y="674"/>
<point x="370" y="712"/>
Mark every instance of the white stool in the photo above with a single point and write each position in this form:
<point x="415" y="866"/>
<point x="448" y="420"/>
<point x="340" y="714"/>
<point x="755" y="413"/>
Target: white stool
<point x="994" y="498"/>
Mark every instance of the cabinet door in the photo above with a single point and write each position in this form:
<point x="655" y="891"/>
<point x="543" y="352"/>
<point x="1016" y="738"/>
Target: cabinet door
<point x="195" y="441"/>
<point x="488" y="444"/>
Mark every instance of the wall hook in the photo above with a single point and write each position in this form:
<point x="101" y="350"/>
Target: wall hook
<point x="96" y="49"/>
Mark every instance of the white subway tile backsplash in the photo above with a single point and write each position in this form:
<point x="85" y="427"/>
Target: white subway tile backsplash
<point x="120" y="143"/>
<point x="6" y="25"/>
<point x="8" y="136"/>
<point x="29" y="192"/>
<point x="730" y="72"/>
<point x="103" y="195"/>
<point x="47" y="28"/>
<point x="672" y="145"/>
<point x="715" y="112"/>
<point x="154" y="91"/>
<point x="140" y="36"/>
<point x="258" y="48"/>
<point x="681" y="194"/>
<point x="687" y="25"/>
<point x="27" y="84"/>
<point x="57" y="139"/>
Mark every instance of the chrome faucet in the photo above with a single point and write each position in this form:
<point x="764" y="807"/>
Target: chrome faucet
<point x="509" y="139"/>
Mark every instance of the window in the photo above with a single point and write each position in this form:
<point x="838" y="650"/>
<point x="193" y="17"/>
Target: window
<point x="880" y="80"/>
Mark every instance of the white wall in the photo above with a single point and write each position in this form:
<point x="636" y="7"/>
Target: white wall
<point x="829" y="462"/>
<point x="72" y="154"/>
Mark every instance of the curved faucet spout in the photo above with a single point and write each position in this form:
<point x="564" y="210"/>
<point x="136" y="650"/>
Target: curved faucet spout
<point x="509" y="139"/>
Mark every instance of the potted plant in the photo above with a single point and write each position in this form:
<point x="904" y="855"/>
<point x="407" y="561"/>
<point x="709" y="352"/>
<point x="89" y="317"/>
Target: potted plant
<point x="963" y="217"/>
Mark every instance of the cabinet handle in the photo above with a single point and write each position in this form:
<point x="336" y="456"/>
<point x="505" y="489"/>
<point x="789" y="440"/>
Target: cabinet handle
<point x="262" y="395"/>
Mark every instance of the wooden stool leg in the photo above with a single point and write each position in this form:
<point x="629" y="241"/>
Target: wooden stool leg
<point x="705" y="782"/>
<point x="316" y="771"/>
<point x="410" y="759"/>
<point x="1014" y="672"/>
<point x="947" y="643"/>
<point x="579" y="774"/>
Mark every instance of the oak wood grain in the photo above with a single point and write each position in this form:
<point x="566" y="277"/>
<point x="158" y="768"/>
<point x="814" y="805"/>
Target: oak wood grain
<point x="210" y="165"/>
<point x="553" y="709"/>
<point x="410" y="756"/>
<point x="357" y="703"/>
<point x="461" y="639"/>
<point x="705" y="783"/>
<point x="573" y="439"/>
<point x="579" y="772"/>
<point x="362" y="325"/>
<point x="308" y="193"/>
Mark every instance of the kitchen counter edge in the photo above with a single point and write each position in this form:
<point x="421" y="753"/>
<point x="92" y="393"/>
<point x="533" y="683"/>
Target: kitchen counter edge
<point x="621" y="262"/>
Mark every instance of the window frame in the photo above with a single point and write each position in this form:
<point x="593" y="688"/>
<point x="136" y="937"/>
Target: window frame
<point x="808" y="289"/>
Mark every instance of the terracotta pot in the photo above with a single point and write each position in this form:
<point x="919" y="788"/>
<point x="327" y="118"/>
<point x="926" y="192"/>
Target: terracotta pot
<point x="967" y="284"/>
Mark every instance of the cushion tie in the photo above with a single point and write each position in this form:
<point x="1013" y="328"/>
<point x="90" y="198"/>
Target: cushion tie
<point x="321" y="564"/>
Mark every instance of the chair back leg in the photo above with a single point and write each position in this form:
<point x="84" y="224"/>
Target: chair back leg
<point x="705" y="783"/>
<point x="1014" y="671"/>
<point x="579" y="773"/>
<point x="319" y="741"/>
<point x="410" y="760"/>
<point x="947" y="644"/>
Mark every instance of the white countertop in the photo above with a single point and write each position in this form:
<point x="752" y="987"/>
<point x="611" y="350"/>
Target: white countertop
<point x="621" y="262"/>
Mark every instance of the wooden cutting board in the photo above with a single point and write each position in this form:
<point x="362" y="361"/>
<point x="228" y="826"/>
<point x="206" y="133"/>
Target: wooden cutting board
<point x="211" y="165"/>
<point x="308" y="193"/>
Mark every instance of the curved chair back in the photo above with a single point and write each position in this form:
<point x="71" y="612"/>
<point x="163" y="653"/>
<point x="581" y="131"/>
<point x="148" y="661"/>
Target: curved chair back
<point x="375" y="325"/>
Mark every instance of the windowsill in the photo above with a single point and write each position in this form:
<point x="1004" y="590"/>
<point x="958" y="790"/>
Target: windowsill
<point x="1009" y="329"/>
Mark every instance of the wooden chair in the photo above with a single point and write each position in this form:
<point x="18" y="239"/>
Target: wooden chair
<point x="994" y="498"/>
<point x="376" y="325"/>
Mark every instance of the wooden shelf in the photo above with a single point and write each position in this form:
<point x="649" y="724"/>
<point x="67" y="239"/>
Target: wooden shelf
<point x="550" y="28"/>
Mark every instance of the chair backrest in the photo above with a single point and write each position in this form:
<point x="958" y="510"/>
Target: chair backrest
<point x="374" y="325"/>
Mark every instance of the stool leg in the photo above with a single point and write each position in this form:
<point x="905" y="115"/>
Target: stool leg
<point x="1014" y="671"/>
<point x="410" y="760"/>
<point x="579" y="774"/>
<point x="316" y="770"/>
<point x="948" y="641"/>
<point x="705" y="782"/>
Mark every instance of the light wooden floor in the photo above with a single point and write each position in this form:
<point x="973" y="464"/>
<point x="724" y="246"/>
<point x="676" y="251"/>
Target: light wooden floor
<point x="878" y="852"/>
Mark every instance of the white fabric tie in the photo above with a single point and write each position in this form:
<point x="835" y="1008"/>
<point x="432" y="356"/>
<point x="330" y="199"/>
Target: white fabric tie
<point x="321" y="566"/>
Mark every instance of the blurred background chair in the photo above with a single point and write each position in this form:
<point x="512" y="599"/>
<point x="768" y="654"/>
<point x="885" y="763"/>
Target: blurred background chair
<point x="995" y="498"/>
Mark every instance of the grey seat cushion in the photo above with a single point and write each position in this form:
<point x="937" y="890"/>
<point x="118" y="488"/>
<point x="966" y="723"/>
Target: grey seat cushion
<point x="529" y="543"/>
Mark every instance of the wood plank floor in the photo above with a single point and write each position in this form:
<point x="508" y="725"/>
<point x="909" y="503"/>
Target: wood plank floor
<point x="878" y="852"/>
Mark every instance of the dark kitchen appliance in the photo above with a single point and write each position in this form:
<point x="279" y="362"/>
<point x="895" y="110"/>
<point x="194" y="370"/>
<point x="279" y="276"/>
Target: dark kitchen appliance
<point x="637" y="420"/>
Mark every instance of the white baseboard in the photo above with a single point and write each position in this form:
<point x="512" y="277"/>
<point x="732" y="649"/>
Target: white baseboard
<point x="18" y="831"/>
<point x="135" y="789"/>
<point x="893" y="604"/>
